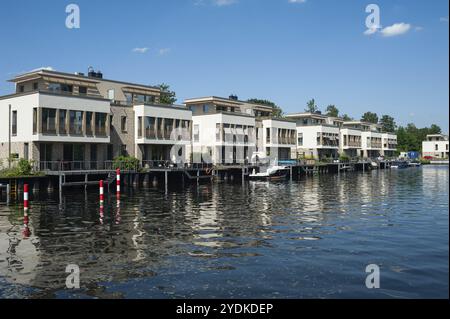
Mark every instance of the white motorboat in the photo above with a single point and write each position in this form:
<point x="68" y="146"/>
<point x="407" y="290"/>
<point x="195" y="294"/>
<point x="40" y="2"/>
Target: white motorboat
<point x="271" y="173"/>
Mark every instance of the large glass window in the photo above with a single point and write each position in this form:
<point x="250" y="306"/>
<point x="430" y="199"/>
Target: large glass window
<point x="76" y="122"/>
<point x="149" y="127"/>
<point x="48" y="121"/>
<point x="139" y="126"/>
<point x="14" y="123"/>
<point x="89" y="116"/>
<point x="100" y="123"/>
<point x="58" y="87"/>
<point x="62" y="122"/>
<point x="129" y="98"/>
<point x="34" y="120"/>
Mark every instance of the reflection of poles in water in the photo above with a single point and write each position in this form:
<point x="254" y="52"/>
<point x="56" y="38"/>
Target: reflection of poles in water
<point x="102" y="215"/>
<point x="118" y="218"/>
<point x="26" y="230"/>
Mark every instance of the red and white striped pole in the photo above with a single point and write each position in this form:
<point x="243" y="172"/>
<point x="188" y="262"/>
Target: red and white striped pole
<point x="26" y="230"/>
<point x="102" y="196"/>
<point x="25" y="197"/>
<point x="118" y="184"/>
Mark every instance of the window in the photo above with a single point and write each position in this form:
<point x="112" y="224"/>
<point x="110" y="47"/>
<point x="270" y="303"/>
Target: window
<point x="196" y="133"/>
<point x="436" y="147"/>
<point x="82" y="90"/>
<point x="14" y="123"/>
<point x="34" y="120"/>
<point x="300" y="139"/>
<point x="100" y="123"/>
<point x="21" y="88"/>
<point x="89" y="116"/>
<point x="111" y="94"/>
<point x="58" y="88"/>
<point x="76" y="122"/>
<point x="150" y="123"/>
<point x="129" y="98"/>
<point x="123" y="150"/>
<point x="139" y="125"/>
<point x="123" y="124"/>
<point x="26" y="151"/>
<point x="62" y="122"/>
<point x="48" y="121"/>
<point x="35" y="86"/>
<point x="267" y="135"/>
<point x="205" y="108"/>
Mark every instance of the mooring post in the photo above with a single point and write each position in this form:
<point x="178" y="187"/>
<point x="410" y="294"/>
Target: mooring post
<point x="166" y="178"/>
<point x="60" y="188"/>
<point x="85" y="181"/>
<point x="198" y="176"/>
<point x="290" y="172"/>
<point x="8" y="191"/>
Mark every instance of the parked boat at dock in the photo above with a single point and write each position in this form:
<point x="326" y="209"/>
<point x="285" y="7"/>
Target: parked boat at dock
<point x="272" y="173"/>
<point x="399" y="164"/>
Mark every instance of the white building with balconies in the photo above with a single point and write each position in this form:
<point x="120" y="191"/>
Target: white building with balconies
<point x="436" y="145"/>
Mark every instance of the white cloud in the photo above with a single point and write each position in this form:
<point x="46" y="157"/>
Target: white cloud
<point x="140" y="50"/>
<point x="396" y="29"/>
<point x="164" y="51"/>
<point x="297" y="1"/>
<point x="371" y="31"/>
<point x="444" y="19"/>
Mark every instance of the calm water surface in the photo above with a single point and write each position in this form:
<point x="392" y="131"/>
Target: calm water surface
<point x="311" y="238"/>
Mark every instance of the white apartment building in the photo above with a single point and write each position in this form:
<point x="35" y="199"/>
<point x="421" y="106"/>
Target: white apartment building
<point x="436" y="145"/>
<point x="318" y="136"/>
<point x="78" y="121"/>
<point x="162" y="133"/>
<point x="371" y="138"/>
<point x="278" y="139"/>
<point x="229" y="131"/>
<point x="389" y="147"/>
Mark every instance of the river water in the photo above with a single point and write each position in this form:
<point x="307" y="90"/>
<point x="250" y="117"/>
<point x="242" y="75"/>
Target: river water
<point x="311" y="238"/>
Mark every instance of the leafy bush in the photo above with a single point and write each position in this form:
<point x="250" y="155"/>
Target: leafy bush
<point x="21" y="168"/>
<point x="126" y="163"/>
<point x="344" y="158"/>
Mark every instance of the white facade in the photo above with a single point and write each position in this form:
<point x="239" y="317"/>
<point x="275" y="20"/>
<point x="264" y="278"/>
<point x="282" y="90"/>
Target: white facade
<point x="389" y="146"/>
<point x="24" y="106"/>
<point x="350" y="142"/>
<point x="278" y="136"/>
<point x="223" y="138"/>
<point x="317" y="141"/>
<point x="162" y="132"/>
<point x="436" y="146"/>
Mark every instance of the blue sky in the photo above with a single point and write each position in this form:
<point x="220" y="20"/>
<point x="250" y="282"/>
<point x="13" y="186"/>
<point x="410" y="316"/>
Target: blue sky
<point x="284" y="50"/>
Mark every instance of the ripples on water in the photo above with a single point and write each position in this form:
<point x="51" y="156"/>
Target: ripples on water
<point x="311" y="238"/>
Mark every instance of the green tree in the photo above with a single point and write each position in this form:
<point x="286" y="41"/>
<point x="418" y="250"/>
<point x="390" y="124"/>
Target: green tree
<point x="167" y="96"/>
<point x="370" y="117"/>
<point x="277" y="111"/>
<point x="311" y="106"/>
<point x="345" y="117"/>
<point x="388" y="123"/>
<point x="434" y="129"/>
<point x="332" y="110"/>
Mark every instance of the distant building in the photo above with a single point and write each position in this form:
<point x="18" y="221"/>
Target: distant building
<point x="435" y="145"/>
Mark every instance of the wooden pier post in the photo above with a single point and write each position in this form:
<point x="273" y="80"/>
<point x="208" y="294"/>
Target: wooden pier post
<point x="60" y="188"/>
<point x="166" y="178"/>
<point x="8" y="194"/>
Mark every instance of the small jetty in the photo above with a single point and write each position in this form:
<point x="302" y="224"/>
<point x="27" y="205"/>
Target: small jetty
<point x="58" y="177"/>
